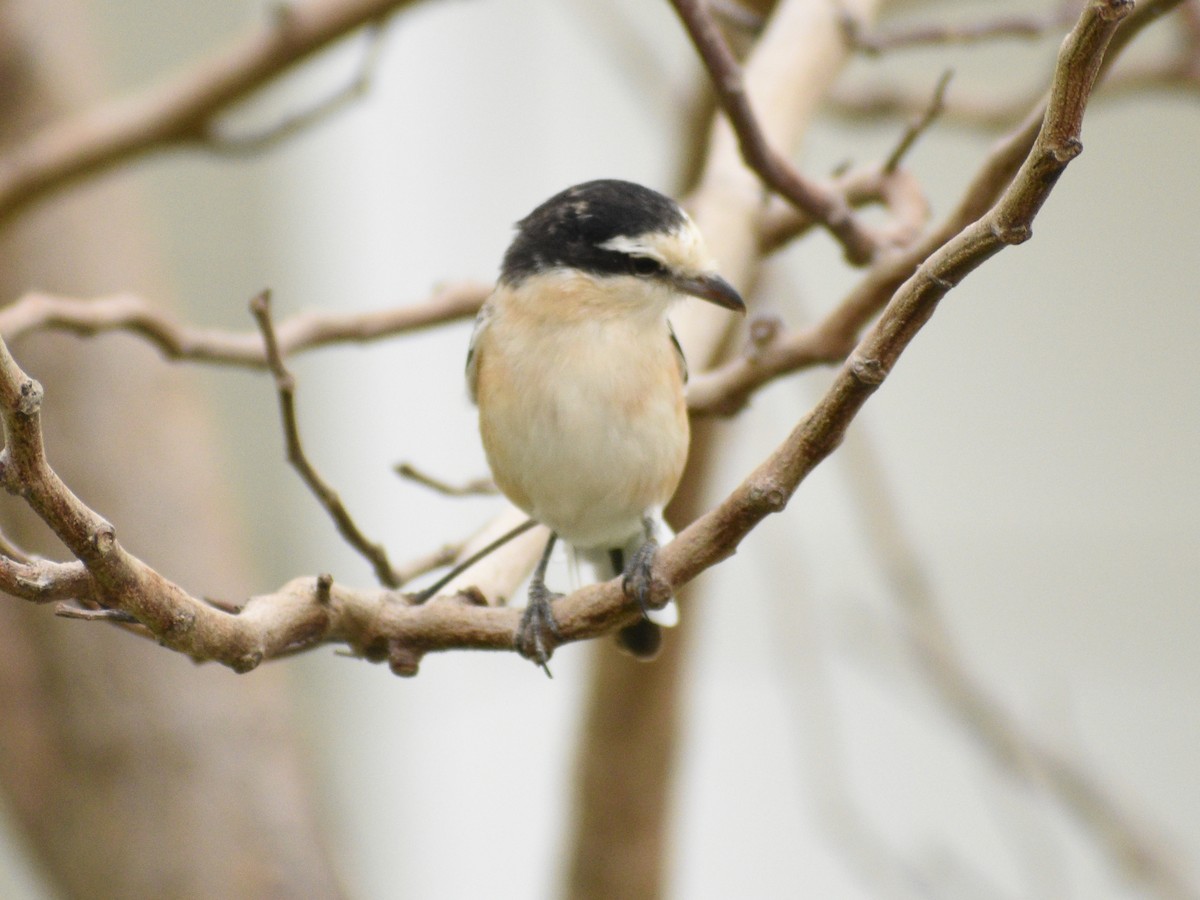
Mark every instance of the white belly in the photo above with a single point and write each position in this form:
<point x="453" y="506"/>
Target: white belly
<point x="589" y="432"/>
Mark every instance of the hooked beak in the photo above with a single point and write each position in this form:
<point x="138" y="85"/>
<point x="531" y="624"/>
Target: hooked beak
<point x="713" y="288"/>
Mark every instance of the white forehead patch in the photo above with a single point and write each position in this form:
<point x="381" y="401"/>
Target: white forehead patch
<point x="680" y="249"/>
<point x="634" y="246"/>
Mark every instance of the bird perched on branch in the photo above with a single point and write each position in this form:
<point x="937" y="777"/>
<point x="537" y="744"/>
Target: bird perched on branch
<point x="579" y="382"/>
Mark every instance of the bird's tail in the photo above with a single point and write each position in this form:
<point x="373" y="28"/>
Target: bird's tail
<point x="643" y="638"/>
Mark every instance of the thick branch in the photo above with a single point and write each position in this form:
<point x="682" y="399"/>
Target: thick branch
<point x="43" y="581"/>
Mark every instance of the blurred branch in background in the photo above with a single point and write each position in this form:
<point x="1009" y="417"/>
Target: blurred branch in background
<point x="826" y="207"/>
<point x="1132" y="847"/>
<point x="1175" y="71"/>
<point x="177" y="341"/>
<point x="874" y="43"/>
<point x="185" y="111"/>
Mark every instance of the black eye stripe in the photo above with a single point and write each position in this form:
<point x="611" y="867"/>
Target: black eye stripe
<point x="644" y="265"/>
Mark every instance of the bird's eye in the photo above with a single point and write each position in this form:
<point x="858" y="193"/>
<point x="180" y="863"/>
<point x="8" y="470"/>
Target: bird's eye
<point x="644" y="265"/>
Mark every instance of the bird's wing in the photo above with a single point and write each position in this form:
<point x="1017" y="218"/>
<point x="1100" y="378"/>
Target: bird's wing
<point x="683" y="372"/>
<point x="481" y="322"/>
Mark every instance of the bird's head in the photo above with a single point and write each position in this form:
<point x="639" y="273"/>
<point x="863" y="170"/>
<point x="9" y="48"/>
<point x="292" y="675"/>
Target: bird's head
<point x="620" y="235"/>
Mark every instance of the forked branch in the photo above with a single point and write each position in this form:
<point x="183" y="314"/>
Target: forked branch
<point x="384" y="625"/>
<point x="817" y="202"/>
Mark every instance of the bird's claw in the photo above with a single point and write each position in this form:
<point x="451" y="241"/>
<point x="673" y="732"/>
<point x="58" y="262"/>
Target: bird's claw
<point x="537" y="634"/>
<point x="638" y="578"/>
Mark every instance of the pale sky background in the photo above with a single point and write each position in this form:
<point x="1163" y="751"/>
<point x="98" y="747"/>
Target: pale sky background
<point x="1040" y="438"/>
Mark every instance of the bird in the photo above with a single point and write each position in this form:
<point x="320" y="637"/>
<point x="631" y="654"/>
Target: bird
<point x="579" y="383"/>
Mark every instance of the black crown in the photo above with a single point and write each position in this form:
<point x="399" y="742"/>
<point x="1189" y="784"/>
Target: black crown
<point x="567" y="230"/>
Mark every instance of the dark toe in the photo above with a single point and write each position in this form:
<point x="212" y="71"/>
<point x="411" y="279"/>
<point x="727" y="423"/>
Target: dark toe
<point x="537" y="633"/>
<point x="638" y="580"/>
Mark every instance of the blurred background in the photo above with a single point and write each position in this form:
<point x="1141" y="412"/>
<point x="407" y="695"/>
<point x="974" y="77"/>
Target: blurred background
<point x="1029" y="470"/>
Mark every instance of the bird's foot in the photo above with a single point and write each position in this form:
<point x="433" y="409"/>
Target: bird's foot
<point x="537" y="634"/>
<point x="638" y="578"/>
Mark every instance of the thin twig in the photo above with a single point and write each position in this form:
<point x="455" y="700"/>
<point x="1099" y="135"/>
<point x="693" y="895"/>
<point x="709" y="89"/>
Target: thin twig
<point x="874" y="102"/>
<point x="11" y="551"/>
<point x="181" y="110"/>
<point x="921" y="124"/>
<point x="474" y="488"/>
<point x="725" y="390"/>
<point x="1177" y="70"/>
<point x="297" y="123"/>
<point x="285" y="384"/>
<point x="304" y="331"/>
<point x="117" y="616"/>
<point x="1008" y="744"/>
<point x="435" y="559"/>
<point x="824" y="206"/>
<point x="1032" y="26"/>
<point x="431" y="591"/>
<point x="898" y="191"/>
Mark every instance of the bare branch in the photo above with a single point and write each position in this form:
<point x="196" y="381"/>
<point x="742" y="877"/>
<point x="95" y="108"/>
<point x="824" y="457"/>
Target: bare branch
<point x="1011" y="746"/>
<point x="921" y="124"/>
<point x="285" y="384"/>
<point x="1008" y="222"/>
<point x="738" y="16"/>
<point x="877" y="101"/>
<point x="181" y="110"/>
<point x="43" y="581"/>
<point x="305" y="331"/>
<point x="267" y="139"/>
<point x="725" y="390"/>
<point x="477" y="487"/>
<point x="1178" y="70"/>
<point x="380" y="625"/>
<point x="897" y="190"/>
<point x="117" y="616"/>
<point x="435" y="559"/>
<point x="1013" y="26"/>
<point x="815" y="201"/>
